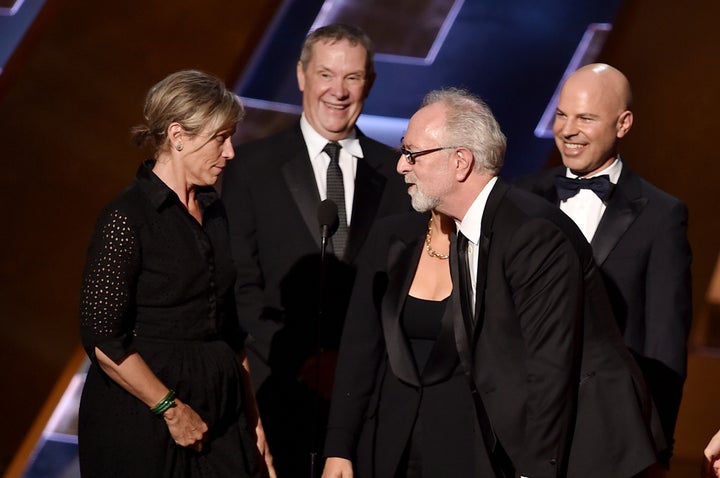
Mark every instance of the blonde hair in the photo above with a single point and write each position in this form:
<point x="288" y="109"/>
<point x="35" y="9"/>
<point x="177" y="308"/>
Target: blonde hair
<point x="191" y="98"/>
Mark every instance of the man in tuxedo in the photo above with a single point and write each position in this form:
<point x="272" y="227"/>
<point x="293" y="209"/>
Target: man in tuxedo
<point x="291" y="299"/>
<point x="556" y="391"/>
<point x="638" y="233"/>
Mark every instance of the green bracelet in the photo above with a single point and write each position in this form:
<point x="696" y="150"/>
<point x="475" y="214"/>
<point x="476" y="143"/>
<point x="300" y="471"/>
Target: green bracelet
<point x="164" y="404"/>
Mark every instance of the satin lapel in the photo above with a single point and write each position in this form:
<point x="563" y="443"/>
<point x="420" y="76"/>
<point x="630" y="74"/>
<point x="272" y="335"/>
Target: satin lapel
<point x="454" y="310"/>
<point x="402" y="263"/>
<point x="300" y="181"/>
<point x="485" y="239"/>
<point x="624" y="206"/>
<point x="488" y="220"/>
<point x="547" y="188"/>
<point x="543" y="184"/>
<point x="369" y="185"/>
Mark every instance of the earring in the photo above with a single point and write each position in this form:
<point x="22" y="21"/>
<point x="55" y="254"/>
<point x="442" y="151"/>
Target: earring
<point x="179" y="146"/>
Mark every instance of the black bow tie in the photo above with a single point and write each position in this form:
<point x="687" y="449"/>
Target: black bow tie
<point x="569" y="187"/>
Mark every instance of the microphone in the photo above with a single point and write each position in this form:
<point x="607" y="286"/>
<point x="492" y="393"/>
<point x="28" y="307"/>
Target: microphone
<point x="327" y="214"/>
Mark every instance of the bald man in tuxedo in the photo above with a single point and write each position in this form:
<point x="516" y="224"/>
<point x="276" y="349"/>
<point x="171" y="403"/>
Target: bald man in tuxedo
<point x="638" y="233"/>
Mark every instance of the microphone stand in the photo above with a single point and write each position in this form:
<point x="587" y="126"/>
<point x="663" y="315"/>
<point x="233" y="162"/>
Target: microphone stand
<point x="318" y="352"/>
<point x="327" y="216"/>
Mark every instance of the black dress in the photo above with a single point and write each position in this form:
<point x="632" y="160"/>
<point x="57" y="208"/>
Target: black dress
<point x="159" y="283"/>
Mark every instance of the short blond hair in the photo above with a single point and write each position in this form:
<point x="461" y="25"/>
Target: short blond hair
<point x="191" y="98"/>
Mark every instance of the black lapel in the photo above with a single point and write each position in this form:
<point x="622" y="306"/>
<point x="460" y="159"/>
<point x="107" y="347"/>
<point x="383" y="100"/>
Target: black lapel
<point x="369" y="186"/>
<point x="543" y="183"/>
<point x="624" y="206"/>
<point x="454" y="308"/>
<point x="491" y="207"/>
<point x="402" y="262"/>
<point x="300" y="180"/>
<point x="485" y="239"/>
<point x="547" y="189"/>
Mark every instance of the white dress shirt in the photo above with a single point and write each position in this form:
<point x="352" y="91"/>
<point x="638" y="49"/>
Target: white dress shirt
<point x="586" y="208"/>
<point x="349" y="154"/>
<point x="470" y="227"/>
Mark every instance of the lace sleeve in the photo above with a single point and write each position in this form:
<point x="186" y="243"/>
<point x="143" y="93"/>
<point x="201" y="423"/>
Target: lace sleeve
<point x="106" y="319"/>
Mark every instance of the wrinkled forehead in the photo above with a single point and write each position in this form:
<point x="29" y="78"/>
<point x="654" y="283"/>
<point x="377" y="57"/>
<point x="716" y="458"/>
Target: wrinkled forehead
<point x="426" y="125"/>
<point x="329" y="45"/>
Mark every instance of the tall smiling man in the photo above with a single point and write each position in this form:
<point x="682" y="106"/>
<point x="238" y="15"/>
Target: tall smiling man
<point x="272" y="193"/>
<point x="638" y="233"/>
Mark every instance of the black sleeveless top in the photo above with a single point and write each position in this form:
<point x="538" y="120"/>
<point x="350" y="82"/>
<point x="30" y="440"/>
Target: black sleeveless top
<point x="420" y="320"/>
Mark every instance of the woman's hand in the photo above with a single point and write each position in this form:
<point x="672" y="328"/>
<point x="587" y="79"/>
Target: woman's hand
<point x="711" y="463"/>
<point x="185" y="426"/>
<point x="264" y="451"/>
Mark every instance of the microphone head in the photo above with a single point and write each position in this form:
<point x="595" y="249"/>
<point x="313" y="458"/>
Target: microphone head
<point x="327" y="214"/>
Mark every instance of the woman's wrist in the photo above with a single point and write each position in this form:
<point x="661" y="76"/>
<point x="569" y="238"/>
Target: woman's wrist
<point x="167" y="402"/>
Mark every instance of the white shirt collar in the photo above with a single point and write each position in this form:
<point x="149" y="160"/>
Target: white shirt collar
<point x="471" y="224"/>
<point x="316" y="142"/>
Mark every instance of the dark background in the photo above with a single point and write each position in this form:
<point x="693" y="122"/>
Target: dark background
<point x="75" y="85"/>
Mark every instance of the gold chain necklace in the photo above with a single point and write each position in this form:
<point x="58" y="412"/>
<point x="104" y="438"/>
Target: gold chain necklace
<point x="432" y="252"/>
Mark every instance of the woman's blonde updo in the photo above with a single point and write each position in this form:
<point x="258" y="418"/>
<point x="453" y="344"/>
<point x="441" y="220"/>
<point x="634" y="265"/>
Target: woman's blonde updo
<point x="191" y="98"/>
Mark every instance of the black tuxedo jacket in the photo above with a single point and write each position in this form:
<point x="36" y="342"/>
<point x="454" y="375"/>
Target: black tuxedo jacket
<point x="272" y="199"/>
<point x="643" y="253"/>
<point x="562" y="392"/>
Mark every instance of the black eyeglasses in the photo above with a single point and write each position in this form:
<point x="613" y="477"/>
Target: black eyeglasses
<point x="411" y="155"/>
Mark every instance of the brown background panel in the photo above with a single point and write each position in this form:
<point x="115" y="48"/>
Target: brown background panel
<point x="67" y="100"/>
<point x="670" y="52"/>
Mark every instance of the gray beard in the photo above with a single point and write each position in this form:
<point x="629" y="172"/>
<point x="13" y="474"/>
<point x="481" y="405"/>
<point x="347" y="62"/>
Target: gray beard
<point x="421" y="202"/>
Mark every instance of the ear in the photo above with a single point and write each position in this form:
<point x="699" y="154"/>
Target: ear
<point x="369" y="81"/>
<point x="464" y="161"/>
<point x="300" y="71"/>
<point x="624" y="123"/>
<point x="175" y="133"/>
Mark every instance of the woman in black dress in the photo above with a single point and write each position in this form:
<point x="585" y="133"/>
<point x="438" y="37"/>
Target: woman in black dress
<point x="167" y="393"/>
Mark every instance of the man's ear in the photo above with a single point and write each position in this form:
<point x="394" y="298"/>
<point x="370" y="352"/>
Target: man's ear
<point x="369" y="82"/>
<point x="464" y="161"/>
<point x="300" y="72"/>
<point x="624" y="123"/>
